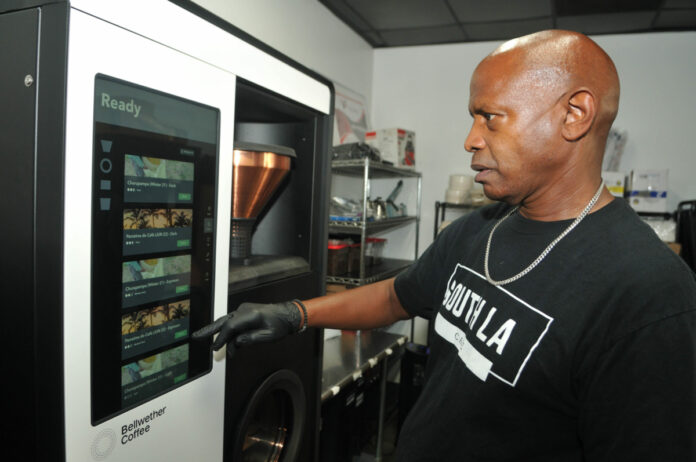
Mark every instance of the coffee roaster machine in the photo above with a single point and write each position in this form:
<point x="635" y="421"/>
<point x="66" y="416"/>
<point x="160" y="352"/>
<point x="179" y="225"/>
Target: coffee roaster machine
<point x="160" y="167"/>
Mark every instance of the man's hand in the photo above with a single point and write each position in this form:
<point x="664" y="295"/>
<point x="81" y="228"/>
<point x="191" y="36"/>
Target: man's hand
<point x="253" y="323"/>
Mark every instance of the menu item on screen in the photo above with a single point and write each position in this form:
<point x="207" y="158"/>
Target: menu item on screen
<point x="148" y="230"/>
<point x="152" y="328"/>
<point x="148" y="376"/>
<point x="155" y="279"/>
<point x="153" y="179"/>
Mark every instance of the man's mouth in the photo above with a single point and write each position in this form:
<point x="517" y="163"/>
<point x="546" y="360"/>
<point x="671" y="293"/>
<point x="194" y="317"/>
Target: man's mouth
<point x="483" y="172"/>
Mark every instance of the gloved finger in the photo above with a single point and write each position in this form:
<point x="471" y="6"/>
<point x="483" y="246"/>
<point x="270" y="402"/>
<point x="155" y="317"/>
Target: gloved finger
<point x="236" y="325"/>
<point x="231" y="349"/>
<point x="210" y="329"/>
<point x="257" y="336"/>
<point x="214" y="327"/>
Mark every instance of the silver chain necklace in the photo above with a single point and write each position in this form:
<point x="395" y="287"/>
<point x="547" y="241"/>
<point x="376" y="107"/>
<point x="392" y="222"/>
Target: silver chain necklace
<point x="546" y="250"/>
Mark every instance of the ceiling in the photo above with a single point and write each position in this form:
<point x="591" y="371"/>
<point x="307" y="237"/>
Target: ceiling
<point x="391" y="23"/>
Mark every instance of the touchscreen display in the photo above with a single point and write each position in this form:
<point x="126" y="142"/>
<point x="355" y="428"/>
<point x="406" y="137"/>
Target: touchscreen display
<point x="154" y="179"/>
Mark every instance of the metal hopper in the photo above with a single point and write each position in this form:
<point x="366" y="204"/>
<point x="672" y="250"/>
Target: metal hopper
<point x="258" y="170"/>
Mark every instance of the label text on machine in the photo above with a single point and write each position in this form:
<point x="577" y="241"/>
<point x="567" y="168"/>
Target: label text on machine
<point x="139" y="427"/>
<point x="120" y="105"/>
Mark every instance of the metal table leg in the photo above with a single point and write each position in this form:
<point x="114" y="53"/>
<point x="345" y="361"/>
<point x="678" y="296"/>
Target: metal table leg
<point x="380" y="419"/>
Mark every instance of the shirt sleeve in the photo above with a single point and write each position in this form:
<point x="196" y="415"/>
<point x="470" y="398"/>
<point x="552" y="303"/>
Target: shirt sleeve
<point x="640" y="403"/>
<point x="418" y="287"/>
<point x="421" y="287"/>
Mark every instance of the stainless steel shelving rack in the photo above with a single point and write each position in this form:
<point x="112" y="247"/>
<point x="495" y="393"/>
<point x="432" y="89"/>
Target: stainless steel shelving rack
<point x="441" y="208"/>
<point x="367" y="170"/>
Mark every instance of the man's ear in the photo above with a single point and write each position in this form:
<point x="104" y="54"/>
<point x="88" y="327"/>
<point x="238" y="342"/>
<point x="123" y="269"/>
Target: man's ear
<point x="581" y="111"/>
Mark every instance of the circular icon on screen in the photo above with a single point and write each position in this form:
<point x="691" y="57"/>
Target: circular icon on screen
<point x="103" y="444"/>
<point x="105" y="166"/>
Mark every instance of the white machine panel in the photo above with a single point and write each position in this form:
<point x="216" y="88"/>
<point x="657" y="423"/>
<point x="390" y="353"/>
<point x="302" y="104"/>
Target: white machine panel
<point x="183" y="420"/>
<point x="172" y="26"/>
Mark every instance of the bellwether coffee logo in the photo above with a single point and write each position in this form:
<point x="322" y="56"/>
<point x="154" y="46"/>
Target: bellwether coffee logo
<point x="105" y="441"/>
<point x="139" y="428"/>
<point x="103" y="444"/>
<point x="494" y="332"/>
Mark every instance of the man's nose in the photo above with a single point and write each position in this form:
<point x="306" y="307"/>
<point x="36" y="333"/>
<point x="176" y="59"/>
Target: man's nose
<point x="474" y="141"/>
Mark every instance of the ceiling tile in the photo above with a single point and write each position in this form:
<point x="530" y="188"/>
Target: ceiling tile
<point x="423" y="36"/>
<point x="396" y="14"/>
<point x="346" y="14"/>
<point x="613" y="23"/>
<point x="679" y="4"/>
<point x="575" y="7"/>
<point x="495" y="10"/>
<point x="506" y="30"/>
<point x="676" y="18"/>
<point x="415" y="22"/>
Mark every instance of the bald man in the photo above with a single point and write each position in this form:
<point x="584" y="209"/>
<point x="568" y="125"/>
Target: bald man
<point x="564" y="329"/>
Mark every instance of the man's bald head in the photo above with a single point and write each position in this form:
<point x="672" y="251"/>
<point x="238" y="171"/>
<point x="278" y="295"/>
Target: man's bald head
<point x="542" y="105"/>
<point x="564" y="60"/>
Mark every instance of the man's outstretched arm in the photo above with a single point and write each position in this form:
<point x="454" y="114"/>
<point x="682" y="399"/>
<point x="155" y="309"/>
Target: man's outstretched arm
<point x="366" y="307"/>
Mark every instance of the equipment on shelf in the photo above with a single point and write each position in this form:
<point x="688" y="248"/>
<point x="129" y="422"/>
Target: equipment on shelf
<point x="686" y="231"/>
<point x="351" y="151"/>
<point x="355" y="265"/>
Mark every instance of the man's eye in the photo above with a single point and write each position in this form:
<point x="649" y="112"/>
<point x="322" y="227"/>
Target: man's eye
<point x="488" y="116"/>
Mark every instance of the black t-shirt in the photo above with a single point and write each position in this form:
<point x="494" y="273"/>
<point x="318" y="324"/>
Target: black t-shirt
<point x="591" y="356"/>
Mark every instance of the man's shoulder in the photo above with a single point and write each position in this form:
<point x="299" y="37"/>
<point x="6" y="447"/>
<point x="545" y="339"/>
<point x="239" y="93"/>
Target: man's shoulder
<point x="640" y="247"/>
<point x="643" y="269"/>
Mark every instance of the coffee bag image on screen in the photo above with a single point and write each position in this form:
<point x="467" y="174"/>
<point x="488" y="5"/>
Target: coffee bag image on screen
<point x="152" y="328"/>
<point x="152" y="179"/>
<point x="156" y="230"/>
<point x="154" y="279"/>
<point x="149" y="376"/>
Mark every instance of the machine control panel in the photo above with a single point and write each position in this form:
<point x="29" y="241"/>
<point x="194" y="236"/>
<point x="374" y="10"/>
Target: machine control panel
<point x="153" y="221"/>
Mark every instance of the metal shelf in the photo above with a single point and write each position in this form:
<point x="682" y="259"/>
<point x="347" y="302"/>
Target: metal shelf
<point x="387" y="268"/>
<point x="367" y="170"/>
<point x="451" y="205"/>
<point x="441" y="207"/>
<point x="356" y="167"/>
<point x="356" y="227"/>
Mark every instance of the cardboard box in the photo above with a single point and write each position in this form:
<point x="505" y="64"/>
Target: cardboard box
<point x="648" y="180"/>
<point x="395" y="145"/>
<point x="647" y="190"/>
<point x="675" y="246"/>
<point x="648" y="204"/>
<point x="615" y="182"/>
<point x="335" y="288"/>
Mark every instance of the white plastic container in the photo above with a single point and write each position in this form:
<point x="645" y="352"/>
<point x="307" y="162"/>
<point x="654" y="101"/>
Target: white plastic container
<point x="461" y="182"/>
<point x="456" y="196"/>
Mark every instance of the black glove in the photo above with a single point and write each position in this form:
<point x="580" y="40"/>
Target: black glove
<point x="253" y="323"/>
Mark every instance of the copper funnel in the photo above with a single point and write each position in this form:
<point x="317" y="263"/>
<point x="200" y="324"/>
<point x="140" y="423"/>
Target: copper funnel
<point x="258" y="169"/>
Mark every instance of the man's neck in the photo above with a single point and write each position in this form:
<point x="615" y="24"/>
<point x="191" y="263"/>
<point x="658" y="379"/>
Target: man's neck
<point x="557" y="207"/>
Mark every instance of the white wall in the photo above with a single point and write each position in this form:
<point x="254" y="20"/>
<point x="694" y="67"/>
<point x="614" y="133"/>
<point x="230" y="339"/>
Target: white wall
<point x="426" y="89"/>
<point x="306" y="31"/>
<point x="658" y="94"/>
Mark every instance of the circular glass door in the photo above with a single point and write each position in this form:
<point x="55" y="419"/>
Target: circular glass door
<point x="272" y="425"/>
